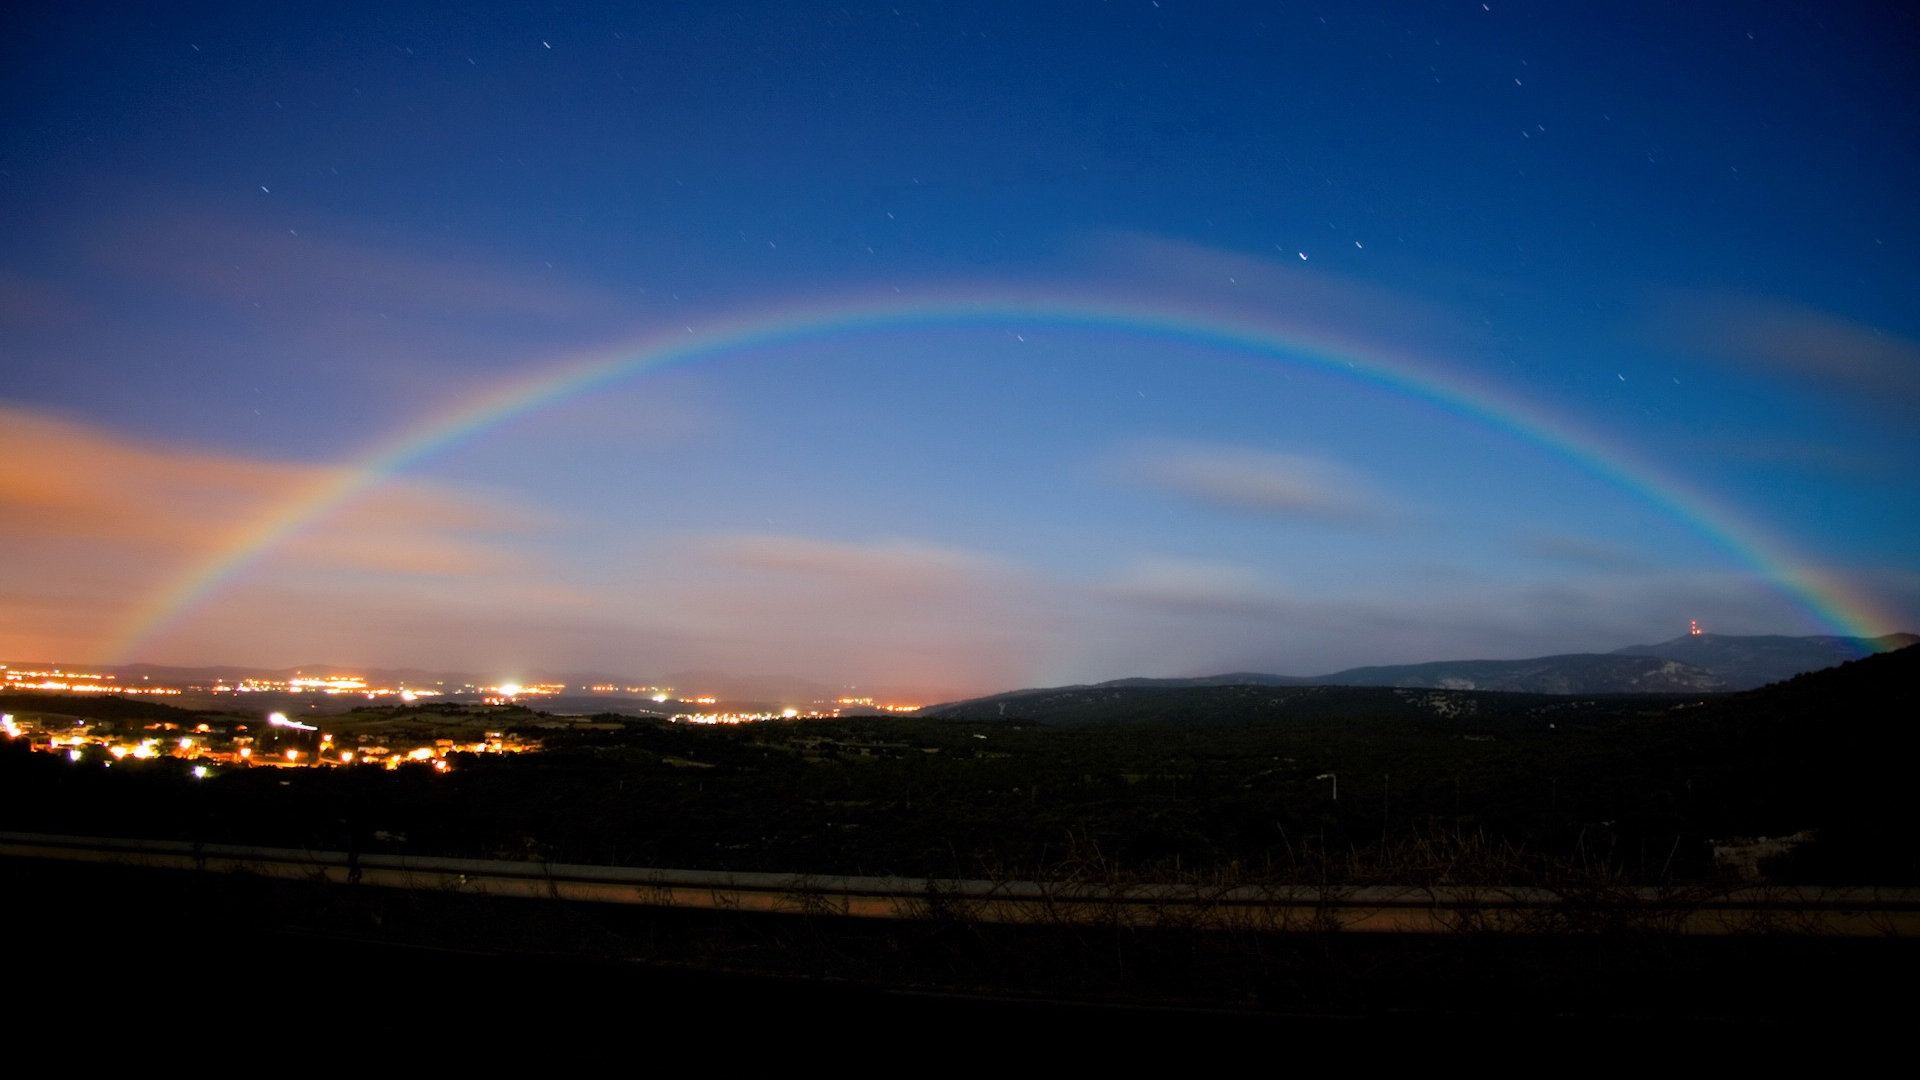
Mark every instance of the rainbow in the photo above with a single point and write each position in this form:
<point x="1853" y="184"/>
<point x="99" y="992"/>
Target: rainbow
<point x="1831" y="601"/>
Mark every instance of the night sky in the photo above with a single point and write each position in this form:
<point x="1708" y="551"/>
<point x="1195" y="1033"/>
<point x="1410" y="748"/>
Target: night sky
<point x="953" y="347"/>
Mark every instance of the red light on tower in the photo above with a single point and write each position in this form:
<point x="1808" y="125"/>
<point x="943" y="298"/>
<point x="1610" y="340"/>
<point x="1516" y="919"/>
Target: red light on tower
<point x="1693" y="627"/>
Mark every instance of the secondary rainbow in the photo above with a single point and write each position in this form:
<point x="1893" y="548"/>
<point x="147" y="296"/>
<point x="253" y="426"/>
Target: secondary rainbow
<point x="1828" y="599"/>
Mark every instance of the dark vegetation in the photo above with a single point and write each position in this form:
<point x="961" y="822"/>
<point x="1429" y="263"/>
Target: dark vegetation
<point x="1219" y="783"/>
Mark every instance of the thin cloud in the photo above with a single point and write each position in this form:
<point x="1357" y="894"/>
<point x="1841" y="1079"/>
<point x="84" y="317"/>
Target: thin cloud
<point x="1259" y="482"/>
<point x="1207" y="588"/>
<point x="68" y="482"/>
<point x="29" y="305"/>
<point x="1876" y="368"/>
<point x="328" y="269"/>
<point x="1279" y="286"/>
<point x="329" y="301"/>
<point x="106" y="521"/>
<point x="890" y="570"/>
<point x="1581" y="552"/>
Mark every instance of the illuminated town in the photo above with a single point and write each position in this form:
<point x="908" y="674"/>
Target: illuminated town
<point x="840" y="708"/>
<point x="270" y="739"/>
<point x="61" y="680"/>
<point x="76" y="682"/>
<point x="277" y="742"/>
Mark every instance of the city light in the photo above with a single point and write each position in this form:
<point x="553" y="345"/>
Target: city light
<point x="209" y="744"/>
<point x="56" y="680"/>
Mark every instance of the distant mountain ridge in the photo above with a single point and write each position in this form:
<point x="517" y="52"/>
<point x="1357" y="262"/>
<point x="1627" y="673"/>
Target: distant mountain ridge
<point x="1691" y="663"/>
<point x="1706" y="663"/>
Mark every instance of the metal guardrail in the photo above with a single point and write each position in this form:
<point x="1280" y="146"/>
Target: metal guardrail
<point x="1854" y="912"/>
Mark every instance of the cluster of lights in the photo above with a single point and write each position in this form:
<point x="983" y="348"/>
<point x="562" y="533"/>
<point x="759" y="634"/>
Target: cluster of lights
<point x="742" y="718"/>
<point x="784" y="714"/>
<point x="185" y="746"/>
<point x="76" y="682"/>
<point x="658" y="693"/>
<point x="319" y="684"/>
<point x="331" y="684"/>
<point x="505" y="693"/>
<point x="201" y="746"/>
<point x="869" y="703"/>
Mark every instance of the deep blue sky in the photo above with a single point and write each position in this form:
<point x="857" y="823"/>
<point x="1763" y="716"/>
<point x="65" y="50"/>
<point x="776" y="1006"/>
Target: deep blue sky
<point x="247" y="245"/>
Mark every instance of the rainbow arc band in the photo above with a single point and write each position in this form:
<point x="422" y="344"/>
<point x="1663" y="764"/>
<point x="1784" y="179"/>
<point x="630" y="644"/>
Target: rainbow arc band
<point x="1831" y="601"/>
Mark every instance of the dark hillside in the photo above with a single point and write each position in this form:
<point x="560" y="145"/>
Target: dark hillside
<point x="1749" y="662"/>
<point x="1574" y="673"/>
<point x="108" y="707"/>
<point x="1831" y="751"/>
<point x="1111" y="703"/>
